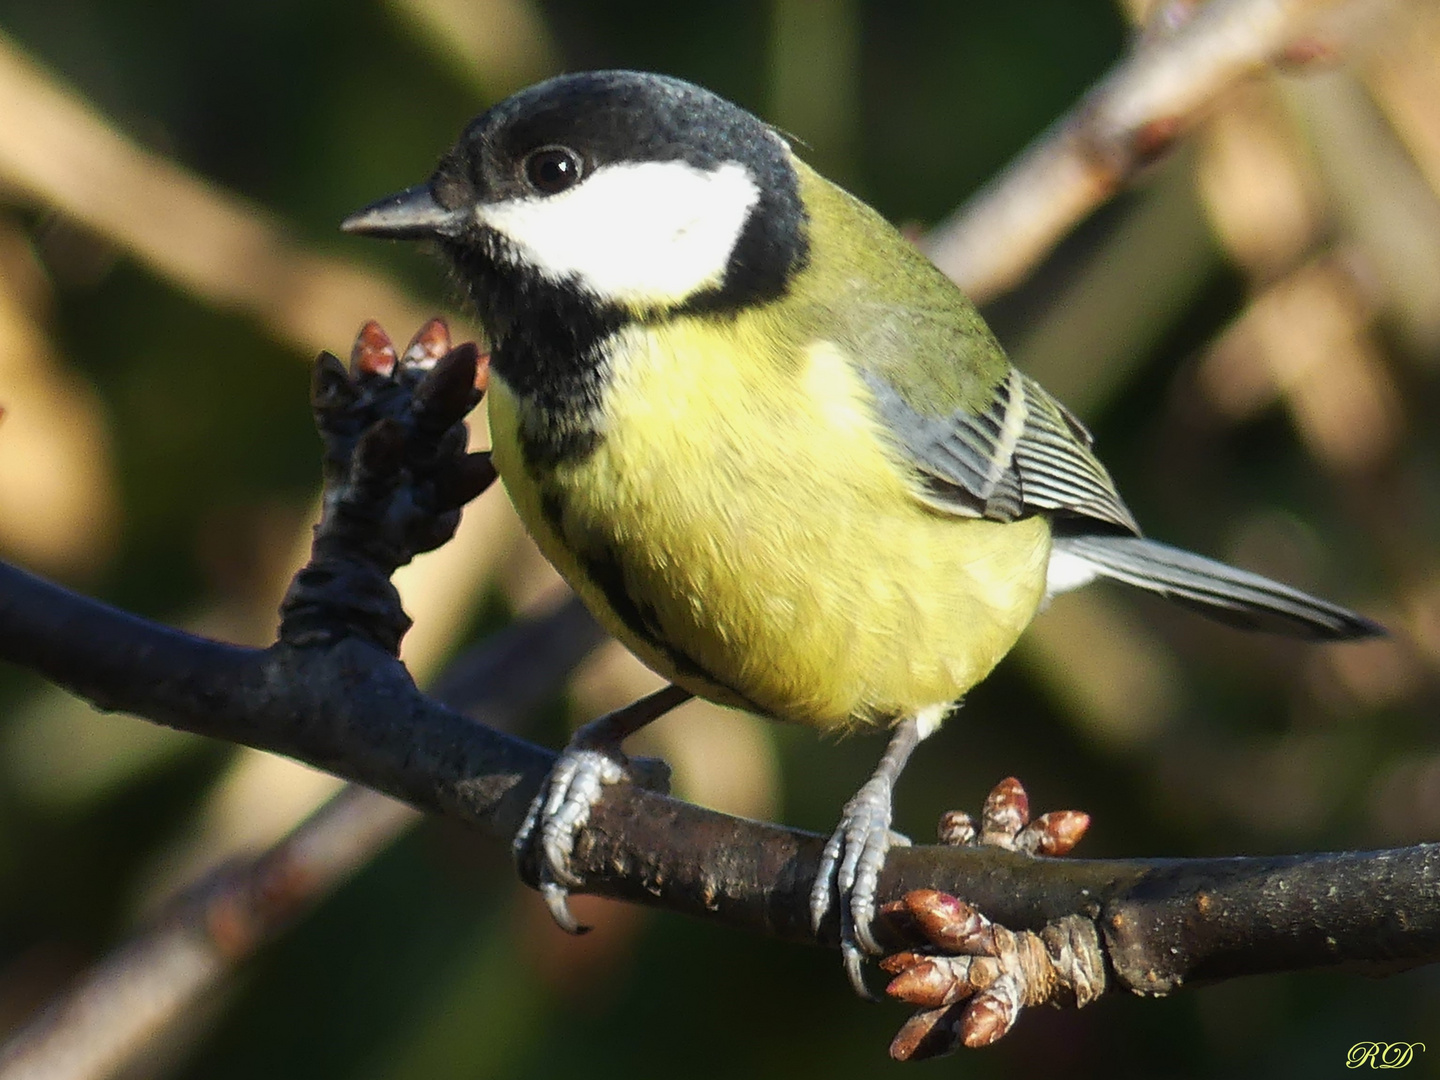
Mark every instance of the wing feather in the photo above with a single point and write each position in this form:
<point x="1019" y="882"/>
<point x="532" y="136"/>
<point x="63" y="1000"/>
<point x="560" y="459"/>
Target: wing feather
<point x="1023" y="454"/>
<point x="1058" y="471"/>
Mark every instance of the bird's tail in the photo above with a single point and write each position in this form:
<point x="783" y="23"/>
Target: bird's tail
<point x="1221" y="592"/>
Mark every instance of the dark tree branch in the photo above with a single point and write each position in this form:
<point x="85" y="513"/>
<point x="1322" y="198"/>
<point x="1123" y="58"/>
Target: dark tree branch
<point x="351" y="709"/>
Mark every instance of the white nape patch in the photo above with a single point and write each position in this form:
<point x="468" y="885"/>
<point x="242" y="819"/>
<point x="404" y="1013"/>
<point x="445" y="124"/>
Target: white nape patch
<point x="1067" y="571"/>
<point x="651" y="232"/>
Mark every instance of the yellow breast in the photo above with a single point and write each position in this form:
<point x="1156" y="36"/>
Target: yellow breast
<point x="749" y="532"/>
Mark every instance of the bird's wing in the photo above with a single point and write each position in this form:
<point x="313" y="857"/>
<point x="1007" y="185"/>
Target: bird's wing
<point x="984" y="440"/>
<point x="1022" y="453"/>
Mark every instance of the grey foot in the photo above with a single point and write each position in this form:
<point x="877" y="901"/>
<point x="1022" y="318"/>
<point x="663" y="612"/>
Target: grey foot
<point x="576" y="783"/>
<point x="557" y="815"/>
<point x="850" y="866"/>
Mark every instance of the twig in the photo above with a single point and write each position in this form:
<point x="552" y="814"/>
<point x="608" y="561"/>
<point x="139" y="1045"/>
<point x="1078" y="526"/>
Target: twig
<point x="1127" y="119"/>
<point x="55" y="149"/>
<point x="137" y="994"/>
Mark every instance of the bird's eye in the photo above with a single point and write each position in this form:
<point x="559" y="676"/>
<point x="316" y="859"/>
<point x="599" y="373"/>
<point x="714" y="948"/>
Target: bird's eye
<point x="552" y="169"/>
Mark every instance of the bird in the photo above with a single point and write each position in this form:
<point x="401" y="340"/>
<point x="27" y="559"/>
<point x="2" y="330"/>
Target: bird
<point x="776" y="452"/>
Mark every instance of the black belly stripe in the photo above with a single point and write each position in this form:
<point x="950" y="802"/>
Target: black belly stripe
<point x="603" y="565"/>
<point x="546" y="445"/>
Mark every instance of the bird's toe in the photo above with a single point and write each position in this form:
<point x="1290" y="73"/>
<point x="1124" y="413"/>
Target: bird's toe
<point x="558" y="813"/>
<point x="851" y="865"/>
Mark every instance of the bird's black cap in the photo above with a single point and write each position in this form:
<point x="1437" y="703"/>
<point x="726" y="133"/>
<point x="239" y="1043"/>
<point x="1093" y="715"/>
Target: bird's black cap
<point x="610" y="117"/>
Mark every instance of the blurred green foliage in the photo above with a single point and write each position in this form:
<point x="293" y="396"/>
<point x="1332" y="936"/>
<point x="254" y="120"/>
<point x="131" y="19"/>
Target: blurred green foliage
<point x="434" y="963"/>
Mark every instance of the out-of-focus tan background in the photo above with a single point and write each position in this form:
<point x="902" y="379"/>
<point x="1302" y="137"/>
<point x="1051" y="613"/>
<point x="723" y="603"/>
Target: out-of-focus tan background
<point x="1253" y="332"/>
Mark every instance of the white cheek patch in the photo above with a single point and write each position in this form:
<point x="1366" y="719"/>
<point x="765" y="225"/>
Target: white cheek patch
<point x="639" y="233"/>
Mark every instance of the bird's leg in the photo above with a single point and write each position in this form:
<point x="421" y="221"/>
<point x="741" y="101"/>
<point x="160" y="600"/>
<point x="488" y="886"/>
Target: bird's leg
<point x="590" y="761"/>
<point x="855" y="853"/>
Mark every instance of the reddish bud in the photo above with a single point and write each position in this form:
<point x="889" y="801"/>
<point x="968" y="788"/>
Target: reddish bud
<point x="1007" y="809"/>
<point x="430" y="342"/>
<point x="956" y="829"/>
<point x="373" y="353"/>
<point x="1056" y="833"/>
<point x="898" y="962"/>
<point x="928" y="1034"/>
<point x="933" y="982"/>
<point x="986" y="1020"/>
<point x="482" y="372"/>
<point x="933" y="908"/>
<point x="948" y="922"/>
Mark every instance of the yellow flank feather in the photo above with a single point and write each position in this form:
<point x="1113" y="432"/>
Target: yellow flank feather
<point x="768" y="535"/>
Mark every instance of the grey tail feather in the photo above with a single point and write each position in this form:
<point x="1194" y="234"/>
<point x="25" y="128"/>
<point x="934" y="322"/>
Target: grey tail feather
<point x="1225" y="593"/>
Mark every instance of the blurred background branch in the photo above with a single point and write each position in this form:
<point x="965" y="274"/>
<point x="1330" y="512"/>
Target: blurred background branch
<point x="61" y="154"/>
<point x="1191" y="54"/>
<point x="143" y="994"/>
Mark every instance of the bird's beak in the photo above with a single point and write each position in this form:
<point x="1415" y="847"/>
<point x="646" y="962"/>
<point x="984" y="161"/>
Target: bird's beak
<point x="412" y="214"/>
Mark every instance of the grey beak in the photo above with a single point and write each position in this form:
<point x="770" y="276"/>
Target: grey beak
<point x="412" y="214"/>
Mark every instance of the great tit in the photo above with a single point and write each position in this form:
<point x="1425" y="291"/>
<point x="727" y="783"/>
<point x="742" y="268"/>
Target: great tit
<point x="777" y="453"/>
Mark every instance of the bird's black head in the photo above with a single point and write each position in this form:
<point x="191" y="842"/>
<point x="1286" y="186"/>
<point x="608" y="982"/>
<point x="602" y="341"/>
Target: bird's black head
<point x="611" y="194"/>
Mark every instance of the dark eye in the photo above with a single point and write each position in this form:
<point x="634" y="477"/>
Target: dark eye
<point x="552" y="169"/>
